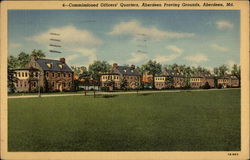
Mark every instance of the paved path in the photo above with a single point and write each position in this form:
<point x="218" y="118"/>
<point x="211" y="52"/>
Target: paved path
<point x="90" y="93"/>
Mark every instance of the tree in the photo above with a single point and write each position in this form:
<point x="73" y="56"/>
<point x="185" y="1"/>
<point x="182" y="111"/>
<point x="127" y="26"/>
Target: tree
<point x="97" y="68"/>
<point x="236" y="72"/>
<point x="23" y="59"/>
<point x="169" y="82"/>
<point x="86" y="79"/>
<point x="109" y="84"/>
<point x="124" y="83"/>
<point x="223" y="69"/>
<point x="38" y="53"/>
<point x="153" y="68"/>
<point x="11" y="80"/>
<point x="12" y="62"/>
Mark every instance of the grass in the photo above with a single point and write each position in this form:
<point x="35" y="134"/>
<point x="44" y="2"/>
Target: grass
<point x="184" y="121"/>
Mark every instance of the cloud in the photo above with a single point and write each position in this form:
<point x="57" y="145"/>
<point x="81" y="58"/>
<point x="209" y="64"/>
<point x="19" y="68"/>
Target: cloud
<point x="230" y="63"/>
<point x="200" y="57"/>
<point x="70" y="37"/>
<point x="219" y="48"/>
<point x="174" y="48"/>
<point x="78" y="43"/>
<point x="136" y="30"/>
<point x="137" y="57"/>
<point x="224" y="24"/>
<point x="166" y="58"/>
<point x="72" y="57"/>
<point x="15" y="45"/>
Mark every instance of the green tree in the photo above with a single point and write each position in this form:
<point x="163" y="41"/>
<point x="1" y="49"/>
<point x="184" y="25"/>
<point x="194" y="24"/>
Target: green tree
<point x="223" y="69"/>
<point x="13" y="62"/>
<point x="124" y="84"/>
<point x="11" y="80"/>
<point x="236" y="72"/>
<point x="169" y="82"/>
<point x="97" y="68"/>
<point x="38" y="53"/>
<point x="23" y="59"/>
<point x="153" y="68"/>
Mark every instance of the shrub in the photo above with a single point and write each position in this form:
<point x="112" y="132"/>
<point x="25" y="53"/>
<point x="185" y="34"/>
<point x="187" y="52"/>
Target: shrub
<point x="206" y="86"/>
<point x="219" y="86"/>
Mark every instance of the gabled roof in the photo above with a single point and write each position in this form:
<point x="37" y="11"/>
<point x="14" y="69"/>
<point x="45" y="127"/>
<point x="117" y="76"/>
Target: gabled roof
<point x="55" y="65"/>
<point x="180" y="76"/>
<point x="125" y="70"/>
<point x="25" y="69"/>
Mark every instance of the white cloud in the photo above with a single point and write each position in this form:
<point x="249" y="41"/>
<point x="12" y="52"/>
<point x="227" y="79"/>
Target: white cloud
<point x="135" y="29"/>
<point x="72" y="57"/>
<point x="15" y="45"/>
<point x="174" y="48"/>
<point x="230" y="63"/>
<point x="200" y="57"/>
<point x="137" y="57"/>
<point x="82" y="43"/>
<point x="224" y="24"/>
<point x="219" y="48"/>
<point x="166" y="58"/>
<point x="70" y="37"/>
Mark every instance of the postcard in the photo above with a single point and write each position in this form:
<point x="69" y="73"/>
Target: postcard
<point x="124" y="80"/>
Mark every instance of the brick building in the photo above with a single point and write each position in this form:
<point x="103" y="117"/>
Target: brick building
<point x="199" y="81"/>
<point x="229" y="81"/>
<point x="170" y="79"/>
<point x="46" y="74"/>
<point x="119" y="74"/>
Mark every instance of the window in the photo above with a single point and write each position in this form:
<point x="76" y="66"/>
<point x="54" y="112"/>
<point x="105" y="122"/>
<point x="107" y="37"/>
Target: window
<point x="34" y="84"/>
<point x="26" y="74"/>
<point x="53" y="84"/>
<point x="22" y="74"/>
<point x="58" y="75"/>
<point x="21" y="84"/>
<point x="64" y="75"/>
<point x="19" y="74"/>
<point x="64" y="85"/>
<point x="60" y="66"/>
<point x="69" y="84"/>
<point x="47" y="74"/>
<point x="53" y="74"/>
<point x="49" y="65"/>
<point x="69" y="75"/>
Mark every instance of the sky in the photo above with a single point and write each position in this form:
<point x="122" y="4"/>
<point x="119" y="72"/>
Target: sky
<point x="207" y="38"/>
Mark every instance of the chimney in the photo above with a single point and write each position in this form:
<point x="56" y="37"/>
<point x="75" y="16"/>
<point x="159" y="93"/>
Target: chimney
<point x="62" y="60"/>
<point x="132" y="66"/>
<point x="115" y="65"/>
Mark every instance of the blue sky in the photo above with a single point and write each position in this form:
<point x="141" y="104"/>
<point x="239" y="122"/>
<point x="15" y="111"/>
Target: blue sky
<point x="193" y="37"/>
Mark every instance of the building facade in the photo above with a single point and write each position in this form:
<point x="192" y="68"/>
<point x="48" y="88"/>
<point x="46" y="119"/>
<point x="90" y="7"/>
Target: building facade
<point x="229" y="81"/>
<point x="47" y="75"/>
<point x="121" y="77"/>
<point x="199" y="81"/>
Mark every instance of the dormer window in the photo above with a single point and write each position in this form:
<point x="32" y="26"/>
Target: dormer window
<point x="49" y="65"/>
<point x="60" y="66"/>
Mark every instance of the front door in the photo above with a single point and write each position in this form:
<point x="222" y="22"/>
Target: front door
<point x="59" y="86"/>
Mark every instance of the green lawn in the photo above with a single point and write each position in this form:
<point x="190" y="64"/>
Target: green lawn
<point x="185" y="121"/>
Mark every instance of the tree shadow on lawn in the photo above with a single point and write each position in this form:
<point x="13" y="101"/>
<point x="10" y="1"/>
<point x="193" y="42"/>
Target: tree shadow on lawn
<point x="145" y="94"/>
<point x="106" y="96"/>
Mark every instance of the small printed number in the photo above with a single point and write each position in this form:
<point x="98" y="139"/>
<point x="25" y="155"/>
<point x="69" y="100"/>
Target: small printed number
<point x="233" y="154"/>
